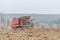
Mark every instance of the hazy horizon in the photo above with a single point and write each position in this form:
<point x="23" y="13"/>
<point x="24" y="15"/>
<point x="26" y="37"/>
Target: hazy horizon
<point x="44" y="18"/>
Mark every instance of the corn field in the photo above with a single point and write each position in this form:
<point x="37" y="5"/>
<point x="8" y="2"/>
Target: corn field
<point x="42" y="33"/>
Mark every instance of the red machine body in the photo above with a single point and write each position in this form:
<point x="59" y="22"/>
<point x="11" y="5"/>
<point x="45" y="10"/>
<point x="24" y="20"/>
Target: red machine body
<point x="23" y="21"/>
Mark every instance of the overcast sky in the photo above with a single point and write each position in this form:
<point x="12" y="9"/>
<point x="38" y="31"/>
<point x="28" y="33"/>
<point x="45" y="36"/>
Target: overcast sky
<point x="30" y="6"/>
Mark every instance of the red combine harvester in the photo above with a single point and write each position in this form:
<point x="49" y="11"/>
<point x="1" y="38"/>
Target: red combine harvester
<point x="21" y="22"/>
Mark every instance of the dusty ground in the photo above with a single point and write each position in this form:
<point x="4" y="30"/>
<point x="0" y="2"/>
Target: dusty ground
<point x="30" y="34"/>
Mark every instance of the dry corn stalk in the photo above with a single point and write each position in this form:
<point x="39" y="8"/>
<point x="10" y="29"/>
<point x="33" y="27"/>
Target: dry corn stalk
<point x="27" y="34"/>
